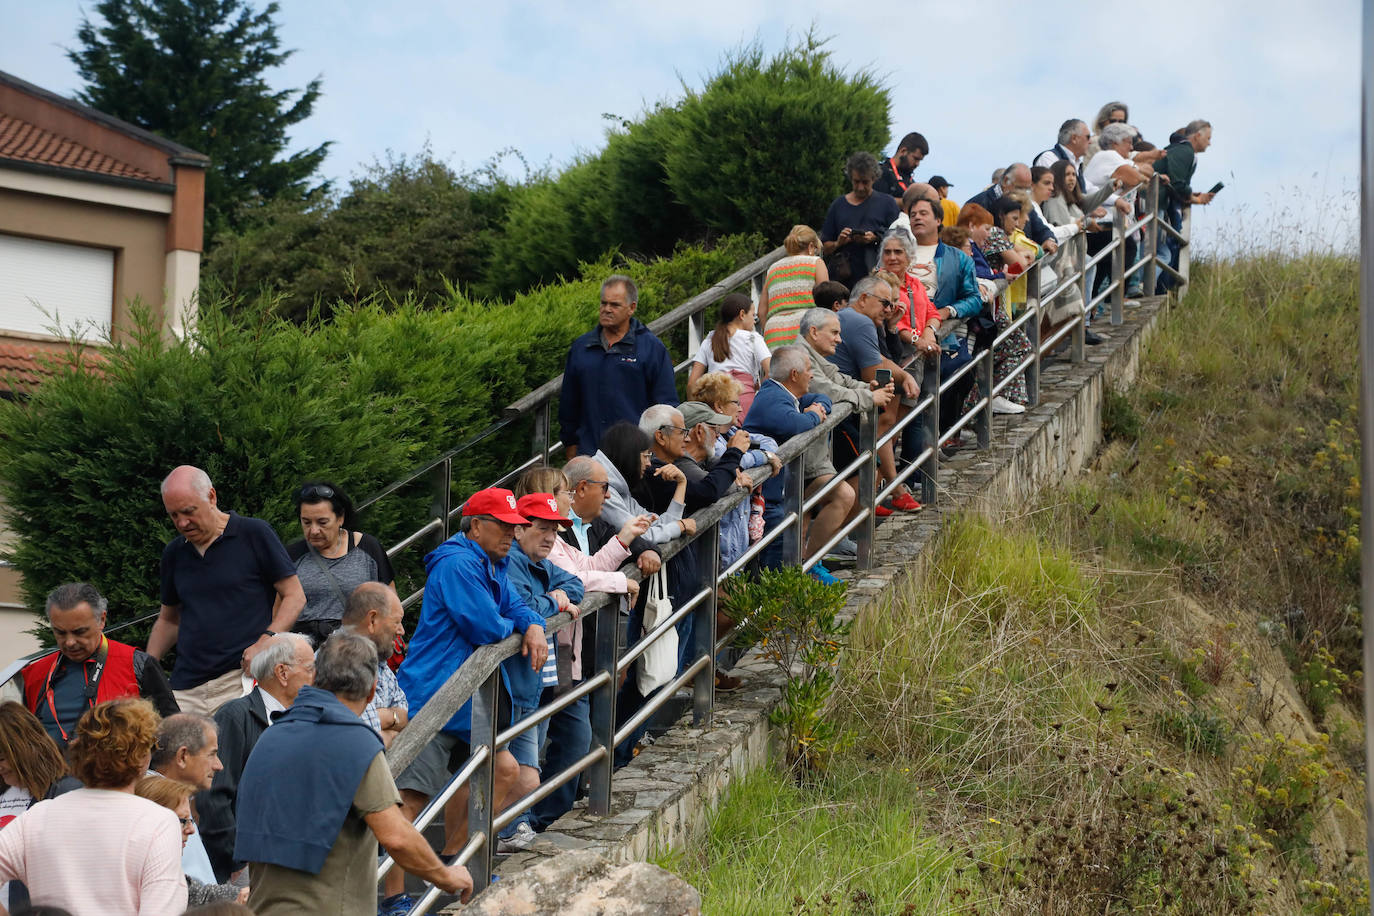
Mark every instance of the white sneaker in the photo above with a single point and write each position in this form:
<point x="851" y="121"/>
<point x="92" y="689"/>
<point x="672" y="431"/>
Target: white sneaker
<point x="520" y="840"/>
<point x="1002" y="405"/>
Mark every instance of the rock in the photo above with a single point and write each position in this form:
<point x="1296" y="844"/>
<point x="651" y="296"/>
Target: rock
<point x="585" y="883"/>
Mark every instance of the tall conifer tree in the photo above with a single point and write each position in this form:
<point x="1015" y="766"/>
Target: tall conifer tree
<point x="193" y="71"/>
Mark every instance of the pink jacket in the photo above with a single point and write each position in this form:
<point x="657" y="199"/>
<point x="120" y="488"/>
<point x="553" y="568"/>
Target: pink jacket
<point x="598" y="574"/>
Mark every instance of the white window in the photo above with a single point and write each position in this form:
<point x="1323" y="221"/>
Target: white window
<point x="52" y="284"/>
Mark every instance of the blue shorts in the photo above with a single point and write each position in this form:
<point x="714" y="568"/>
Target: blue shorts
<point x="525" y="746"/>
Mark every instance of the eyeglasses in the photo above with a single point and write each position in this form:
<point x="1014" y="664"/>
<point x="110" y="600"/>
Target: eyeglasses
<point x="185" y="821"/>
<point x="887" y="303"/>
<point x="605" y="485"/>
<point x="316" y="492"/>
<point x="677" y="429"/>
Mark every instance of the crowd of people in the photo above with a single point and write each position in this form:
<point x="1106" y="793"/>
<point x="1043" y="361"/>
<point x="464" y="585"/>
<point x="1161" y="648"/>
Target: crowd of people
<point x="253" y="778"/>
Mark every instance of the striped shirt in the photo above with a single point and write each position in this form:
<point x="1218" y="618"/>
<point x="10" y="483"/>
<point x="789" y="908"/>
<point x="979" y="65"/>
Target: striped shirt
<point x="787" y="286"/>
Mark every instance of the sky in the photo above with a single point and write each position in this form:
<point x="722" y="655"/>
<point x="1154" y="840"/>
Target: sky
<point x="986" y="82"/>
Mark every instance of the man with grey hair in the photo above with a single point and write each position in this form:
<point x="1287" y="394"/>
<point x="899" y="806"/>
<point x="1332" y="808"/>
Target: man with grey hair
<point x="1072" y="144"/>
<point x="228" y="587"/>
<point x="613" y="372"/>
<point x="783" y="408"/>
<point x="819" y="336"/>
<point x="86" y="668"/>
<point x="281" y="669"/>
<point x="1179" y="164"/>
<point x="187" y="750"/>
<point x="310" y="832"/>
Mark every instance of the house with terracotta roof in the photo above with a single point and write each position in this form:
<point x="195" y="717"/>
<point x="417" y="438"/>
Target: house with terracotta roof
<point x="95" y="214"/>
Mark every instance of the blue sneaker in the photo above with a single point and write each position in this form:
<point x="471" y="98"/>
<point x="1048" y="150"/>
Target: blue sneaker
<point x="396" y="905"/>
<point x="822" y="575"/>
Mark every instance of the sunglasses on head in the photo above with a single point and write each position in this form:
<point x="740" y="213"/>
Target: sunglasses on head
<point x="315" y="493"/>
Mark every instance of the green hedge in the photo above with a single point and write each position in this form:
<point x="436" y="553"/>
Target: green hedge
<point x="262" y="403"/>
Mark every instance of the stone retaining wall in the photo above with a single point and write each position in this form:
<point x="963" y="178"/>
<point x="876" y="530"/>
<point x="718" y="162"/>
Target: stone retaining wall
<point x="666" y="792"/>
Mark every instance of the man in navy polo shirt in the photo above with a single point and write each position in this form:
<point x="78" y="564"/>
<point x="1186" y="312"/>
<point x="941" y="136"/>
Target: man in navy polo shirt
<point x="615" y="371"/>
<point x="220" y="579"/>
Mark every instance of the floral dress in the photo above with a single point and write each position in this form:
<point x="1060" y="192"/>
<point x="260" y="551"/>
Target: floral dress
<point x="1011" y="352"/>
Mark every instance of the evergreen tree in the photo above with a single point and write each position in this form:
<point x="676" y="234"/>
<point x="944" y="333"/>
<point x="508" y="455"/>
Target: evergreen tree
<point x="192" y="71"/>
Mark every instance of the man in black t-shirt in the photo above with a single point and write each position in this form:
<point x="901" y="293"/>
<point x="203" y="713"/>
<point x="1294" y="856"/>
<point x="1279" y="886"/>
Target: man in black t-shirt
<point x="220" y="579"/>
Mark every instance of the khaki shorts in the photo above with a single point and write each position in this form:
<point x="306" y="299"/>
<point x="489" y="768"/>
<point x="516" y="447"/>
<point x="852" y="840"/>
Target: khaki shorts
<point x="214" y="693"/>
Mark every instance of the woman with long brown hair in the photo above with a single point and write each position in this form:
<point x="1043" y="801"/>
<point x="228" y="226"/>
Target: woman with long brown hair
<point x="31" y="769"/>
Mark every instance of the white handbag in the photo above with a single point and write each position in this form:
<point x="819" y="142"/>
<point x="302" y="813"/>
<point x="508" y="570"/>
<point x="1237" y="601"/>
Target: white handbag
<point x="658" y="664"/>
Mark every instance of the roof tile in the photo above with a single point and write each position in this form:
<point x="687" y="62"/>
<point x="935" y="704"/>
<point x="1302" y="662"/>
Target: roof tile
<point x="25" y="142"/>
<point x="23" y="366"/>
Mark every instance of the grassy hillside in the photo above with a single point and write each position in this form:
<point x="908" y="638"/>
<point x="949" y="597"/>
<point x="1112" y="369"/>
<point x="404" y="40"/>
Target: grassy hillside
<point x="1137" y="695"/>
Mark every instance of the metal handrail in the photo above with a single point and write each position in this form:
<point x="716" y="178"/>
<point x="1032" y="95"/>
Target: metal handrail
<point x="480" y="671"/>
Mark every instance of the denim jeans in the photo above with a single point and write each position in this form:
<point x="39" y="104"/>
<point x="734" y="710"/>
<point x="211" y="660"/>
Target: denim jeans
<point x="569" y="739"/>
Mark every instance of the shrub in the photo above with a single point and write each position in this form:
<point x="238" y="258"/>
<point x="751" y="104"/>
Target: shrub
<point x="793" y="619"/>
<point x="762" y="146"/>
<point x="408" y="227"/>
<point x="261" y="403"/>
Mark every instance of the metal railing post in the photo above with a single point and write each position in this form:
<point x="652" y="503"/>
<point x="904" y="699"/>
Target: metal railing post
<point x="982" y="425"/>
<point x="542" y="433"/>
<point x="1080" y="328"/>
<point x="930" y="383"/>
<point x="756" y="288"/>
<point x="603" y="709"/>
<point x="481" y="804"/>
<point x="1185" y="251"/>
<point x="793" y="498"/>
<point x="704" y="629"/>
<point x="868" y="489"/>
<point x="1119" y="266"/>
<point x="442" y="505"/>
<point x="1034" y="306"/>
<point x="696" y="333"/>
<point x="1152" y="239"/>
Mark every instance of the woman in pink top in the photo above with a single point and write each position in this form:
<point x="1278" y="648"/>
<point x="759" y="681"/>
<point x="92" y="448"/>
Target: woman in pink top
<point x="101" y="850"/>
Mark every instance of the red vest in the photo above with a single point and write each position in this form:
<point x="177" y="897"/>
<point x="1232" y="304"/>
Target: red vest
<point x="117" y="679"/>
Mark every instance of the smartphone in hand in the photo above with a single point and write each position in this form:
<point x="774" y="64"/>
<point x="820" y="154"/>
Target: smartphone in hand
<point x="883" y="377"/>
<point x="1217" y="187"/>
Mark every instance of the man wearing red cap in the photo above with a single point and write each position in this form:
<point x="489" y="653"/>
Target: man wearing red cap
<point x="469" y="602"/>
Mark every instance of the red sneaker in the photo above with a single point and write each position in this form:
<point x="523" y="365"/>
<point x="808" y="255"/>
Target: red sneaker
<point x="906" y="502"/>
<point x="882" y="511"/>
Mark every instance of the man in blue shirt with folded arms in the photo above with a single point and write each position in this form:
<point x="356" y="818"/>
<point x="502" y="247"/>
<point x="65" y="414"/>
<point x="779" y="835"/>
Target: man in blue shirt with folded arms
<point x="469" y="602"/>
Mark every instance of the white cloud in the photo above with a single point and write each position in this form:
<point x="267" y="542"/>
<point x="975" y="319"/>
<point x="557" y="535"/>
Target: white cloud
<point x="986" y="83"/>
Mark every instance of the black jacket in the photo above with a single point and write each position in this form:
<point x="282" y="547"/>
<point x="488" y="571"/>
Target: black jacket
<point x="241" y="723"/>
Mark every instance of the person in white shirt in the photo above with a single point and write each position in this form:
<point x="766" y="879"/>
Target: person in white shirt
<point x="1113" y="164"/>
<point x="734" y="347"/>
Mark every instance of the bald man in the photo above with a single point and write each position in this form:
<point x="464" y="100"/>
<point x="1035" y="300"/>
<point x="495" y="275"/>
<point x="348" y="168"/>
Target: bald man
<point x="228" y="587"/>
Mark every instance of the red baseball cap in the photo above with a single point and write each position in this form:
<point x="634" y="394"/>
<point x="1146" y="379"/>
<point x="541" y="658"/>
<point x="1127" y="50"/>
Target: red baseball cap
<point x="541" y="505"/>
<point x="497" y="503"/>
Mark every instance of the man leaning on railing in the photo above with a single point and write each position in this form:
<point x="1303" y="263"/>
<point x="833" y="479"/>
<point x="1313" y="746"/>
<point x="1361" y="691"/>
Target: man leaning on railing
<point x="468" y="602"/>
